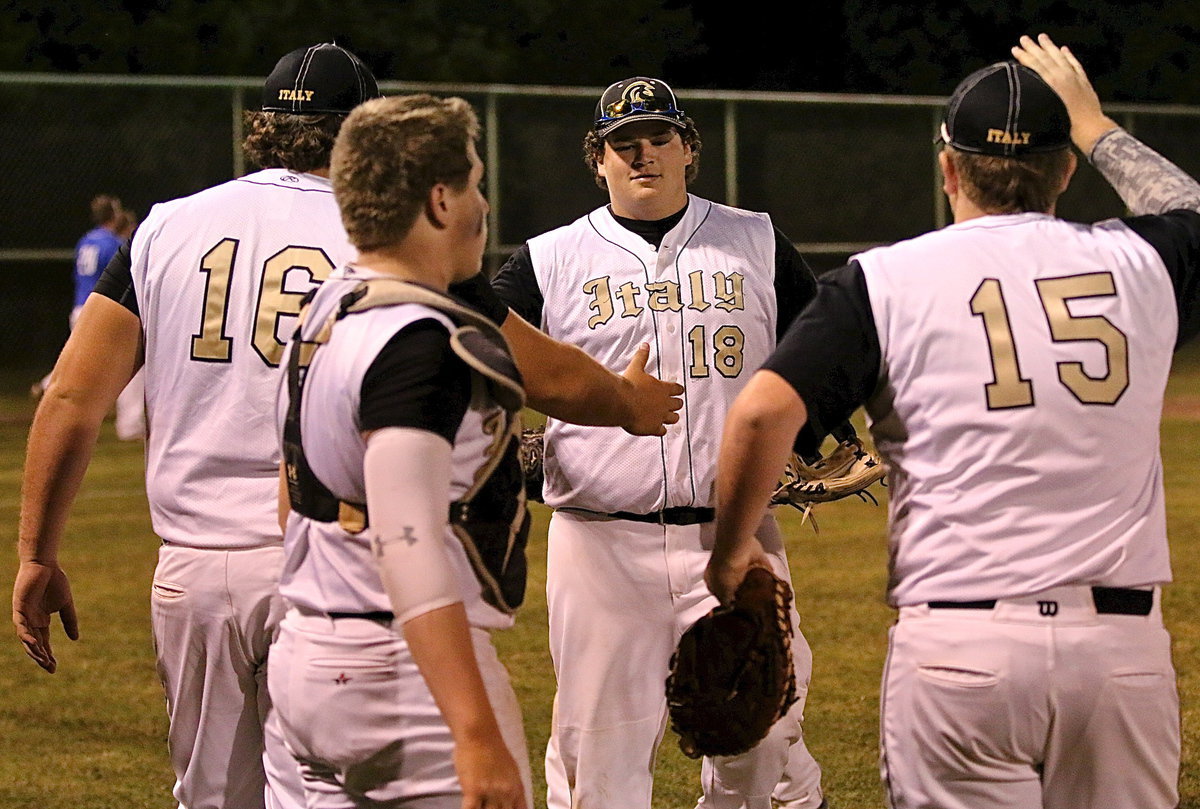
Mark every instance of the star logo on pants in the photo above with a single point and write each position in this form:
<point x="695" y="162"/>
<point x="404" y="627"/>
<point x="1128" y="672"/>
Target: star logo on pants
<point x="341" y="679"/>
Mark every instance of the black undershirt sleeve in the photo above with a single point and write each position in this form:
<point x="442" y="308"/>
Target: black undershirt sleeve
<point x="416" y="381"/>
<point x="795" y="283"/>
<point x="477" y="293"/>
<point x="1176" y="237"/>
<point x="116" y="281"/>
<point x="831" y="354"/>
<point x="517" y="286"/>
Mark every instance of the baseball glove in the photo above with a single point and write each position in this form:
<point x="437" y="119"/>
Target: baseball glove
<point x="732" y="675"/>
<point x="849" y="470"/>
<point x="531" y="462"/>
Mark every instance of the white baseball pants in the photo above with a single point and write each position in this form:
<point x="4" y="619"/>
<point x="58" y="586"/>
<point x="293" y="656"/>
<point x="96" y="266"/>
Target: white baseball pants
<point x="1030" y="706"/>
<point x="214" y="614"/>
<point x="620" y="595"/>
<point x="359" y="719"/>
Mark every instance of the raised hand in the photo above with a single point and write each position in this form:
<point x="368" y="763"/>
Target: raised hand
<point x="1059" y="68"/>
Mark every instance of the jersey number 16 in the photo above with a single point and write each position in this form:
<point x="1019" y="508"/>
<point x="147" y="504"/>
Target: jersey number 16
<point x="275" y="302"/>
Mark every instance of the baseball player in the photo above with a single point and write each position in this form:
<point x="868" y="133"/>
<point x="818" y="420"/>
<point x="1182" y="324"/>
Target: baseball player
<point x="1009" y="362"/>
<point x="389" y="626"/>
<point x="209" y="291"/>
<point x="111" y="226"/>
<point x="708" y="287"/>
<point x="204" y="293"/>
<point x="96" y="248"/>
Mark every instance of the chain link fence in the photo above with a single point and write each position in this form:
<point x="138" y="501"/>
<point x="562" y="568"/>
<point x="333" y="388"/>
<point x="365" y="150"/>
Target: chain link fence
<point x="838" y="173"/>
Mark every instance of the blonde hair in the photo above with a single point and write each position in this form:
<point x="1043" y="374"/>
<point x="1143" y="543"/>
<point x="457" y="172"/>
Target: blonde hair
<point x="389" y="154"/>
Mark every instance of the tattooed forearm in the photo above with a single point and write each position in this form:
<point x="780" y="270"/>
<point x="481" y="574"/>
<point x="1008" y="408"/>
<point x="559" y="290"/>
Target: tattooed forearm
<point x="1146" y="181"/>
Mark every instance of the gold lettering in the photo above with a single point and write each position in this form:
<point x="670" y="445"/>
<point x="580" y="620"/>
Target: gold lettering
<point x="628" y="293"/>
<point x="696" y="279"/>
<point x="727" y="289"/>
<point x="295" y="95"/>
<point x="1008" y="138"/>
<point x="602" y="304"/>
<point x="663" y="296"/>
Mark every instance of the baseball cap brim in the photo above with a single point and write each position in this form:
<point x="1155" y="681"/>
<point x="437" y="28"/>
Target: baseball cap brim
<point x="606" y="129"/>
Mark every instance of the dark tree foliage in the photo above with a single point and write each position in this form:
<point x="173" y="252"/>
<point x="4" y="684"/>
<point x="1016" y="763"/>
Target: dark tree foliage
<point x="1142" y="50"/>
<point x="1136" y="50"/>
<point x="514" y="41"/>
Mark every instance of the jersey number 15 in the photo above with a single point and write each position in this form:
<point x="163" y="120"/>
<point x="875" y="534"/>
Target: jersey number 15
<point x="1008" y="387"/>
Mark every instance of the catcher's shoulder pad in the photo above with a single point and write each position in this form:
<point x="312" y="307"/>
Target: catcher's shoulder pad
<point x="477" y="341"/>
<point x="732" y="675"/>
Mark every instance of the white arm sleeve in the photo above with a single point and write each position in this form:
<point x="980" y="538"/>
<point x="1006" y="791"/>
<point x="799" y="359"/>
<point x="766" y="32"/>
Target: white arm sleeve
<point x="407" y="474"/>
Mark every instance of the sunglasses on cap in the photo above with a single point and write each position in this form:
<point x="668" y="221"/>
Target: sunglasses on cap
<point x="623" y="106"/>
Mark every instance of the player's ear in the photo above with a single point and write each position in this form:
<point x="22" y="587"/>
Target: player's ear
<point x="949" y="175"/>
<point x="437" y="205"/>
<point x="1072" y="164"/>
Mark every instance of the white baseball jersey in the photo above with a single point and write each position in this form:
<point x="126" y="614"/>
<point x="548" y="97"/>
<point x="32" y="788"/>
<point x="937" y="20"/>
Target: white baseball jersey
<point x="708" y="301"/>
<point x="217" y="292"/>
<point x="704" y="301"/>
<point x="1014" y="352"/>
<point x="327" y="569"/>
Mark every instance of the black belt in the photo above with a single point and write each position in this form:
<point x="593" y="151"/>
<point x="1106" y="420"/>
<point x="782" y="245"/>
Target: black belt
<point x="677" y="515"/>
<point x="1109" y="601"/>
<point x="378" y="615"/>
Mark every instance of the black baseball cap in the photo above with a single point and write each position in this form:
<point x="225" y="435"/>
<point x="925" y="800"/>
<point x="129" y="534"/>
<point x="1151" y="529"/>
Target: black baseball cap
<point x="1007" y="110"/>
<point x="637" y="99"/>
<point x="318" y="79"/>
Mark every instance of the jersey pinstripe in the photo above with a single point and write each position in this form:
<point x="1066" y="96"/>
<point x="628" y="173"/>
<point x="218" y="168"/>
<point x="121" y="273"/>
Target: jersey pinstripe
<point x="704" y="301"/>
<point x="326" y="568"/>
<point x="1015" y="352"/>
<point x="217" y="292"/>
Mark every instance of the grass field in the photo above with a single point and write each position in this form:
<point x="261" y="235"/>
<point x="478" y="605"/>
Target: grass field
<point x="92" y="736"/>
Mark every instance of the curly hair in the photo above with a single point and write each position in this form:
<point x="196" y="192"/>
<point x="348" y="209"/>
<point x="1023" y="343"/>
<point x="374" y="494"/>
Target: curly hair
<point x="593" y="150"/>
<point x="1027" y="184"/>
<point x="389" y="155"/>
<point x="281" y="140"/>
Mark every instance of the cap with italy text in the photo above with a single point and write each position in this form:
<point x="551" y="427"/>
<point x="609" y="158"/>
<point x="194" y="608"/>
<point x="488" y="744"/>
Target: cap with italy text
<point x="323" y="78"/>
<point x="1006" y="110"/>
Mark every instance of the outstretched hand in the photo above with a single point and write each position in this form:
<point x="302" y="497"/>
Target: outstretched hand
<point x="1059" y="68"/>
<point x="40" y="591"/>
<point x="651" y="403"/>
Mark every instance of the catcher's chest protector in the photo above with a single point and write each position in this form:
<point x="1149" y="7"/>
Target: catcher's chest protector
<point x="490" y="519"/>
